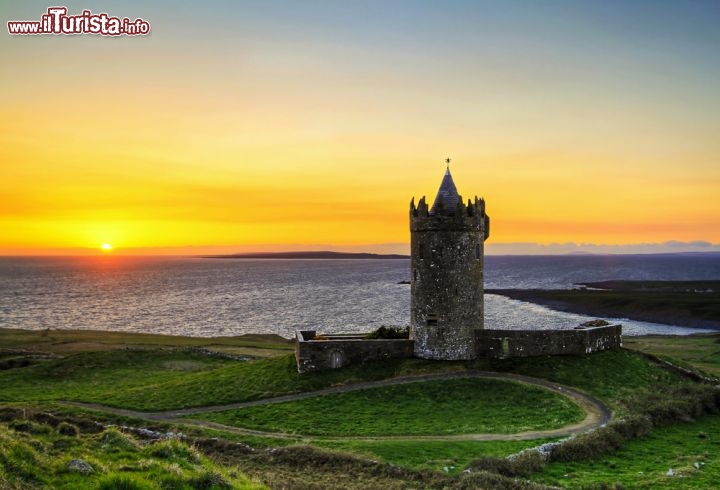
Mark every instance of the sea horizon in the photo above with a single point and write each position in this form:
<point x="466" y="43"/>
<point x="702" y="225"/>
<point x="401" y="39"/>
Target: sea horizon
<point x="197" y="296"/>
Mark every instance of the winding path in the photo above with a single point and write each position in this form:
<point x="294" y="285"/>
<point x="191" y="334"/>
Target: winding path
<point x="598" y="413"/>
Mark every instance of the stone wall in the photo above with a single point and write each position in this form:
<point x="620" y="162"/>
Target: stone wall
<point x="313" y="354"/>
<point x="528" y="343"/>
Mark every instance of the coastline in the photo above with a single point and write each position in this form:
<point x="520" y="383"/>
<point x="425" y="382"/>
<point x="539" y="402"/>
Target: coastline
<point x="677" y="308"/>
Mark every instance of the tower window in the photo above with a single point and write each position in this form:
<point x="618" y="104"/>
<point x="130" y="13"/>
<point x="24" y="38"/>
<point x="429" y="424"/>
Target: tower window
<point x="421" y="251"/>
<point x="415" y="275"/>
<point x="432" y="320"/>
<point x="477" y="251"/>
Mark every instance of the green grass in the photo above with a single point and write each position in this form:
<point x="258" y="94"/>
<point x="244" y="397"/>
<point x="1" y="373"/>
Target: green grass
<point x="98" y="376"/>
<point x="701" y="351"/>
<point x="155" y="380"/>
<point x="457" y="406"/>
<point x="155" y="375"/>
<point x="449" y="456"/>
<point x="165" y="379"/>
<point x="612" y="375"/>
<point x="644" y="463"/>
<point x="34" y="455"/>
<point x="73" y="341"/>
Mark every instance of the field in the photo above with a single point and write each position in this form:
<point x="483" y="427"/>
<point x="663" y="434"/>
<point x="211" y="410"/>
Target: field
<point x="458" y="406"/>
<point x="700" y="351"/>
<point x="41" y="455"/>
<point x="690" y="450"/>
<point x="390" y="436"/>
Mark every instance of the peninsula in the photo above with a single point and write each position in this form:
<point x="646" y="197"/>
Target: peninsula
<point x="683" y="303"/>
<point x="309" y="255"/>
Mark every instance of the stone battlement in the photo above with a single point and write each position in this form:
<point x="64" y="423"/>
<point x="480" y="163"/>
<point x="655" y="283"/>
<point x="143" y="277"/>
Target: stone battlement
<point x="470" y="216"/>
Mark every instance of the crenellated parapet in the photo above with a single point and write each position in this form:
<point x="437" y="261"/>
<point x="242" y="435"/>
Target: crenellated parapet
<point x="462" y="216"/>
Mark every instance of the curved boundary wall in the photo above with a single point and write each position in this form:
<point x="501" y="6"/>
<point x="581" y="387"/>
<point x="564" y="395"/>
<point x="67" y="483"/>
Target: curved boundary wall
<point x="324" y="352"/>
<point x="503" y="344"/>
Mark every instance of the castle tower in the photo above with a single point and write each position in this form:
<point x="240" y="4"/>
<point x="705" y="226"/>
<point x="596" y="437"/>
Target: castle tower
<point x="446" y="261"/>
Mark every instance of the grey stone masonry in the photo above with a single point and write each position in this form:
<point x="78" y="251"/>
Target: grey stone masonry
<point x="323" y="352"/>
<point x="530" y="343"/>
<point x="446" y="282"/>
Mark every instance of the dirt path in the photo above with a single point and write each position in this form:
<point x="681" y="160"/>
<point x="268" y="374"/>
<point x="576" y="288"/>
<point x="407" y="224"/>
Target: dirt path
<point x="597" y="412"/>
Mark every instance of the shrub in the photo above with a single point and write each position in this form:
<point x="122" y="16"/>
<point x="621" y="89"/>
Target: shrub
<point x="633" y="426"/>
<point x="484" y="479"/>
<point x="173" y="449"/>
<point x="29" y="426"/>
<point x="68" y="429"/>
<point x="208" y="480"/>
<point x="14" y="362"/>
<point x="389" y="333"/>
<point x="113" y="440"/>
<point x="10" y="413"/>
<point x="123" y="482"/>
<point x="589" y="445"/>
<point x="521" y="464"/>
<point x="676" y="404"/>
<point x="45" y="418"/>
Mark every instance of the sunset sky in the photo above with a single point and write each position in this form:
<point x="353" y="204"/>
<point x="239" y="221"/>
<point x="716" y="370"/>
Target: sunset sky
<point x="244" y="126"/>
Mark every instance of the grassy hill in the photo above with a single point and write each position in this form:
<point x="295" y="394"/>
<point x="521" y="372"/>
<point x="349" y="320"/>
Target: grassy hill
<point x="41" y="433"/>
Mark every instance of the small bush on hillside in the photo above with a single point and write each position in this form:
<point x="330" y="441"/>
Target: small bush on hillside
<point x="113" y="440"/>
<point x="633" y="426"/>
<point x="67" y="429"/>
<point x="29" y="427"/>
<point x="589" y="445"/>
<point x="522" y="464"/>
<point x="10" y="413"/>
<point x="14" y="362"/>
<point x="484" y="479"/>
<point x="173" y="449"/>
<point x="209" y="480"/>
<point x="389" y="333"/>
<point x="677" y="404"/>
<point x="123" y="482"/>
<point x="45" y="418"/>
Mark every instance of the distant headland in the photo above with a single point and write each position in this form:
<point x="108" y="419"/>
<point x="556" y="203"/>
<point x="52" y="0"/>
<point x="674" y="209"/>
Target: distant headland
<point x="308" y="255"/>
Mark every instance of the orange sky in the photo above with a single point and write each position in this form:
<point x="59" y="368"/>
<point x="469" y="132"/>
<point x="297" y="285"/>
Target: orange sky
<point x="265" y="128"/>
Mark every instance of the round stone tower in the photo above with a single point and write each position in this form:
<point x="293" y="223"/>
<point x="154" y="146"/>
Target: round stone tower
<point x="446" y="260"/>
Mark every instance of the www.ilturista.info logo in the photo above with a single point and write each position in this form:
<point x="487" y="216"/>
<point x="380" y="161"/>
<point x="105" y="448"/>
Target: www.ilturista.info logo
<point x="57" y="21"/>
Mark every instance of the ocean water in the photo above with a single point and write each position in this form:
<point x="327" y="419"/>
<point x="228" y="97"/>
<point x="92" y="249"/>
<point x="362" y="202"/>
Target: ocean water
<point x="219" y="297"/>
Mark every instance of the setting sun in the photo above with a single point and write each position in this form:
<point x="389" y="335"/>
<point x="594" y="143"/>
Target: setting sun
<point x="106" y="247"/>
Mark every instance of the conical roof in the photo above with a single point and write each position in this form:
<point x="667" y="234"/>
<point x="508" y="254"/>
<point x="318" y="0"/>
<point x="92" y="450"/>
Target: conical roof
<point x="448" y="194"/>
